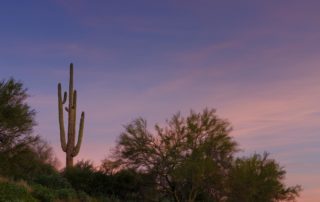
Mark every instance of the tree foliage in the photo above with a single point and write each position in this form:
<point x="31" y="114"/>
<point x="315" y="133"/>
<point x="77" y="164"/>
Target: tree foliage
<point x="125" y="185"/>
<point x="259" y="178"/>
<point x="16" y="116"/>
<point x="192" y="159"/>
<point x="22" y="155"/>
<point x="185" y="156"/>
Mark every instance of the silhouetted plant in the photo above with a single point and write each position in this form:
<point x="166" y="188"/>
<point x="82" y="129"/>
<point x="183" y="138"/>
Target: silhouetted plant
<point x="22" y="155"/>
<point x="69" y="147"/>
<point x="16" y="117"/>
<point x="16" y="124"/>
<point x="259" y="178"/>
<point x="81" y="176"/>
<point x="192" y="159"/>
<point x="24" y="163"/>
<point x="53" y="181"/>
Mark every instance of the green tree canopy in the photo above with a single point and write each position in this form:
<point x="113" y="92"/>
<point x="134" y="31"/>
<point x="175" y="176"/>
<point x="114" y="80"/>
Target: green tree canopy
<point x="259" y="178"/>
<point x="22" y="155"/>
<point x="185" y="156"/>
<point x="192" y="159"/>
<point x="16" y="116"/>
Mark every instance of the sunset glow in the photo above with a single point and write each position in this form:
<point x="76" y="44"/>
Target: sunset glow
<point x="256" y="62"/>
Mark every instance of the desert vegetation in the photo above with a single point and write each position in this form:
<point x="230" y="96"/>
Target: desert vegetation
<point x="187" y="159"/>
<point x="68" y="146"/>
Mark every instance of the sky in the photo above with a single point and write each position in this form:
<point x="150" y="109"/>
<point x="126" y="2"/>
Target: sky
<point x="256" y="62"/>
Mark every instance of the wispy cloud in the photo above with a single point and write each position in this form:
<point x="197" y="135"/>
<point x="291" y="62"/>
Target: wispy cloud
<point x="257" y="63"/>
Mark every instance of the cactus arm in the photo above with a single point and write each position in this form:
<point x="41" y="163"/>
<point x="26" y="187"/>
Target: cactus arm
<point x="77" y="148"/>
<point x="64" y="98"/>
<point x="61" y="121"/>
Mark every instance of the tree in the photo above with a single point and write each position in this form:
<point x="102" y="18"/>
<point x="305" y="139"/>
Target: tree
<point x="22" y="155"/>
<point x="25" y="163"/>
<point x="69" y="147"/>
<point x="259" y="178"/>
<point x="16" y="116"/>
<point x="192" y="159"/>
<point x="44" y="152"/>
<point x="187" y="156"/>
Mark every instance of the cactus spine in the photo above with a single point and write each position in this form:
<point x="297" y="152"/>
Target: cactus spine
<point x="70" y="148"/>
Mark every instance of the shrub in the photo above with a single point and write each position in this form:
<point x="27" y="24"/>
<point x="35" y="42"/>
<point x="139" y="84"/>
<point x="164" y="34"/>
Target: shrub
<point x="81" y="176"/>
<point x="51" y="193"/>
<point x="54" y="181"/>
<point x="43" y="193"/>
<point x="23" y="164"/>
<point x="65" y="194"/>
<point x="83" y="196"/>
<point x="10" y="191"/>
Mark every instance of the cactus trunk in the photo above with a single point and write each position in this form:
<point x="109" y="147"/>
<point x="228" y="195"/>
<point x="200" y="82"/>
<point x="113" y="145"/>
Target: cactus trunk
<point x="70" y="148"/>
<point x="69" y="160"/>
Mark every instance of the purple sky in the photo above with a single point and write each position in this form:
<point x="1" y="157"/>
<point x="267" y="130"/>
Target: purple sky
<point x="256" y="62"/>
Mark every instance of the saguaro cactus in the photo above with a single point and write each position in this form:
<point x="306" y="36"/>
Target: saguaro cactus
<point x="69" y="147"/>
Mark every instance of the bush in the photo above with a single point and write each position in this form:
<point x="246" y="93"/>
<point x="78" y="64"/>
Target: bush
<point x="83" y="196"/>
<point x="47" y="194"/>
<point x="23" y="164"/>
<point x="65" y="194"/>
<point x="54" y="181"/>
<point x="13" y="192"/>
<point x="81" y="176"/>
<point x="43" y="193"/>
<point x="125" y="185"/>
